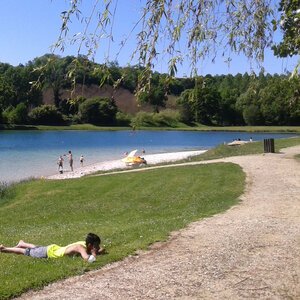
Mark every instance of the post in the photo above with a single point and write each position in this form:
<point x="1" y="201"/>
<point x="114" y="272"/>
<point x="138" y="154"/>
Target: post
<point x="269" y="146"/>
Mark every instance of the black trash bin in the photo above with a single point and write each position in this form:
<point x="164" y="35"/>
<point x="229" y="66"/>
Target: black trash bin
<point x="269" y="146"/>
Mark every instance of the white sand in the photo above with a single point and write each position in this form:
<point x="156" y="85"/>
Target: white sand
<point x="151" y="159"/>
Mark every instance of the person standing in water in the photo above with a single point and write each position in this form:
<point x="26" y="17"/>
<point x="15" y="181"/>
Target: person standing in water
<point x="70" y="155"/>
<point x="81" y="160"/>
<point x="60" y="163"/>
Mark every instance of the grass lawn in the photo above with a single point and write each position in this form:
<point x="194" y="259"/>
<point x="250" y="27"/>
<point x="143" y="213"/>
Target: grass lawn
<point x="181" y="126"/>
<point x="129" y="211"/>
<point x="246" y="149"/>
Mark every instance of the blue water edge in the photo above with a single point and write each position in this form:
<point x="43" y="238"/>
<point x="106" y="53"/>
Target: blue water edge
<point x="26" y="154"/>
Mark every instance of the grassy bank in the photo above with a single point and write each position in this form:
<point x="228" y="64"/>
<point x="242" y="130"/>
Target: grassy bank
<point x="129" y="212"/>
<point x="246" y="149"/>
<point x="278" y="129"/>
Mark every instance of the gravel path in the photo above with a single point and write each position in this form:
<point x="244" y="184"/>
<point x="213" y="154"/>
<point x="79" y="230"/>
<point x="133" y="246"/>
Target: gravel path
<point x="251" y="251"/>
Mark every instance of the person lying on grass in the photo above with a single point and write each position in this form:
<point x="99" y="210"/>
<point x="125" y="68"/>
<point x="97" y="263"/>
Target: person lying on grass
<point x="88" y="249"/>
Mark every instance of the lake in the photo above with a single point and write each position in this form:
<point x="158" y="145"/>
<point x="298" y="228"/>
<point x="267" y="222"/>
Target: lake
<point x="27" y="154"/>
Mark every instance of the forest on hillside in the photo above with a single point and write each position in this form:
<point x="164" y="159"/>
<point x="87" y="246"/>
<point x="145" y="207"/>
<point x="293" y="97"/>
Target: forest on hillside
<point x="223" y="100"/>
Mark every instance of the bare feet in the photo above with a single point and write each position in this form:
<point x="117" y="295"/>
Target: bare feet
<point x="20" y="244"/>
<point x="1" y="247"/>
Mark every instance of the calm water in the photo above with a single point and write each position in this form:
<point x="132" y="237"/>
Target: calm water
<point x="34" y="153"/>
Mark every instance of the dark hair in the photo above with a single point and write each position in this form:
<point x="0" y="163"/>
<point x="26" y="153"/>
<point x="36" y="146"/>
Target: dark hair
<point x="93" y="239"/>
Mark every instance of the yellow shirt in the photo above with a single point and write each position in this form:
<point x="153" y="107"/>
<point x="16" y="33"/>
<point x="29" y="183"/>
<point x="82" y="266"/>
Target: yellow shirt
<point x="55" y="251"/>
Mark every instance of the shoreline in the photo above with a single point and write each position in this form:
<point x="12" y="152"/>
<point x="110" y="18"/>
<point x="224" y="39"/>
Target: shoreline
<point x="151" y="159"/>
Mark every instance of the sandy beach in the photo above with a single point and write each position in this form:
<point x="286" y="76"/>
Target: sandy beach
<point x="151" y="159"/>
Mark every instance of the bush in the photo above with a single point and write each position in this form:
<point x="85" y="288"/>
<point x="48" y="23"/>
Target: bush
<point x="4" y="188"/>
<point x="143" y="119"/>
<point x="16" y="115"/>
<point x="123" y="119"/>
<point x="76" y="119"/>
<point x="46" y="115"/>
<point x="167" y="118"/>
<point x="98" y="111"/>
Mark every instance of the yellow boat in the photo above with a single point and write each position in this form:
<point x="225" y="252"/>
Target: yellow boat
<point x="132" y="160"/>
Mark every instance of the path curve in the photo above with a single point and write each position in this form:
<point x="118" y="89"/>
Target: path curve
<point x="250" y="251"/>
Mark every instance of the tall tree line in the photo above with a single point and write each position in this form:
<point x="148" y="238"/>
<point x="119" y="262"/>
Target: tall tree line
<point x="242" y="99"/>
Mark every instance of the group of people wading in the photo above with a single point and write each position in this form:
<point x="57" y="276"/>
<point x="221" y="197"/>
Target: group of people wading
<point x="60" y="162"/>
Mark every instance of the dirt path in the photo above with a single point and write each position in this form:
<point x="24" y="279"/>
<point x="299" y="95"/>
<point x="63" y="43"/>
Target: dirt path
<point x="251" y="251"/>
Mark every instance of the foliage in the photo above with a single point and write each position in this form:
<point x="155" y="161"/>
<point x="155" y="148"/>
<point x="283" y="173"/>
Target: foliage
<point x="252" y="115"/>
<point x="46" y="115"/>
<point x="123" y="119"/>
<point x="165" y="118"/>
<point x="7" y="93"/>
<point x="290" y="25"/>
<point x="201" y="28"/>
<point x="99" y="111"/>
<point x="4" y="188"/>
<point x="142" y="119"/>
<point x="16" y="115"/>
<point x="221" y="100"/>
<point x="129" y="211"/>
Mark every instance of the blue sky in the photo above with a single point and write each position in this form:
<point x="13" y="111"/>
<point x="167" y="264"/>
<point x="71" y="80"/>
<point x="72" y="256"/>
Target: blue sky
<point x="30" y="27"/>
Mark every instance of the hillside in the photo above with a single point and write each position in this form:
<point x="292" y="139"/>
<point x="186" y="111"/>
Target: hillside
<point x="125" y="100"/>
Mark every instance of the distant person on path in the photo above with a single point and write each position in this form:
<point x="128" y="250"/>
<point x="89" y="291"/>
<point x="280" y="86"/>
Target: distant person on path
<point x="87" y="249"/>
<point x="70" y="155"/>
<point x="81" y="160"/>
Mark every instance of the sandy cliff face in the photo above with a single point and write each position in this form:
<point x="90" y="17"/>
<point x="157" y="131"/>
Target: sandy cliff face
<point x="125" y="100"/>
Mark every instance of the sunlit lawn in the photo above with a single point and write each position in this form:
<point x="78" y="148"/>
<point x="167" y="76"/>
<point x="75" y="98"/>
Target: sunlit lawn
<point x="129" y="212"/>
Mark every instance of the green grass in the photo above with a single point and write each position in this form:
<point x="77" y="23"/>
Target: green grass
<point x="129" y="211"/>
<point x="246" y="149"/>
<point x="181" y="126"/>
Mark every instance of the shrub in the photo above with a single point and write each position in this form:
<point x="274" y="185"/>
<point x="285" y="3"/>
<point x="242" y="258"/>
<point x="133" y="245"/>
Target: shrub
<point x="46" y="115"/>
<point x="3" y="189"/>
<point x="16" y="115"/>
<point x="143" y="119"/>
<point x="98" y="111"/>
<point x="123" y="119"/>
<point x="168" y="117"/>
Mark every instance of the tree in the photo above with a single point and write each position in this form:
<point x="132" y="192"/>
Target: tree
<point x="252" y="115"/>
<point x="280" y="102"/>
<point x="193" y="29"/>
<point x="290" y="25"/>
<point x="186" y="110"/>
<point x="207" y="100"/>
<point x="52" y="73"/>
<point x="17" y="115"/>
<point x="46" y="115"/>
<point x="200" y="104"/>
<point x="7" y="93"/>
